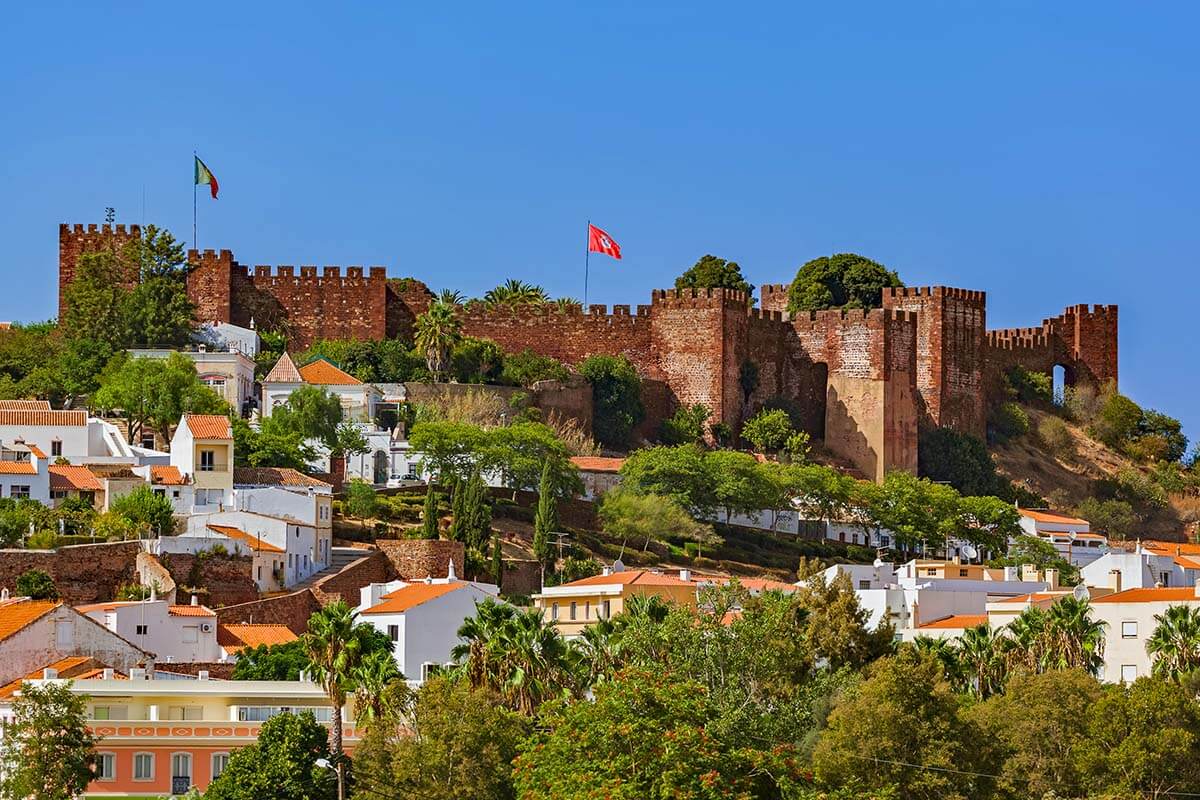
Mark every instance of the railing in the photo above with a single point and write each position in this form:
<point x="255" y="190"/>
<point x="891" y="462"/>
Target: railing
<point x="150" y="729"/>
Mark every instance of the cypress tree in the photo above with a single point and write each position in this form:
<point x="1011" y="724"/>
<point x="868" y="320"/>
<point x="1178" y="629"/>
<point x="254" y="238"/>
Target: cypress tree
<point x="497" y="561"/>
<point x="429" y="519"/>
<point x="458" y="511"/>
<point x="546" y="519"/>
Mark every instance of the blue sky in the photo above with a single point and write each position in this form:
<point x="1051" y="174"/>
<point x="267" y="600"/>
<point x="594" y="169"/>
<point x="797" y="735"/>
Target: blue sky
<point x="1045" y="153"/>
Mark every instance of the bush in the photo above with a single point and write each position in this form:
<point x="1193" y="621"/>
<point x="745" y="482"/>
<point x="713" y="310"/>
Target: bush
<point x="527" y="368"/>
<point x="1054" y="434"/>
<point x="1117" y="420"/>
<point x="616" y="397"/>
<point x="768" y="431"/>
<point x="1080" y="403"/>
<point x="1007" y="421"/>
<point x="36" y="585"/>
<point x="959" y="459"/>
<point x="843" y="280"/>
<point x="574" y="569"/>
<point x="1030" y="387"/>
<point x="686" y="426"/>
<point x="43" y="540"/>
<point x="1114" y="518"/>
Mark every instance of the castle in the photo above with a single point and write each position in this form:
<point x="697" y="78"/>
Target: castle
<point x="866" y="380"/>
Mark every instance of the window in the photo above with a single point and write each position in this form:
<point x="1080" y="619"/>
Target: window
<point x="191" y="634"/>
<point x="106" y="766"/>
<point x="181" y="767"/>
<point x="186" y="713"/>
<point x="931" y="571"/>
<point x="219" y="762"/>
<point x="1163" y="577"/>
<point x="148" y="441"/>
<point x="884" y="541"/>
<point x="864" y="584"/>
<point x="1129" y="630"/>
<point x="607" y="609"/>
<point x="161" y="492"/>
<point x="1128" y="673"/>
<point x="143" y="766"/>
<point x="58" y="494"/>
<point x="208" y="460"/>
<point x="19" y="490"/>
<point x="56" y="447"/>
<point x="962" y="573"/>
<point x="260" y="572"/>
<point x="587" y="610"/>
<point x="110" y="712"/>
<point x="394" y="632"/>
<point x="264" y="713"/>
<point x="142" y="630"/>
<point x="429" y="669"/>
<point x="572" y="611"/>
<point x="554" y="612"/>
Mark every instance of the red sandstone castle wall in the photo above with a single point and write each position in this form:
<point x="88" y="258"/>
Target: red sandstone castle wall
<point x="1083" y="340"/>
<point x="75" y="240"/>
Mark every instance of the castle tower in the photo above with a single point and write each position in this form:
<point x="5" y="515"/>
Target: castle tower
<point x="75" y="240"/>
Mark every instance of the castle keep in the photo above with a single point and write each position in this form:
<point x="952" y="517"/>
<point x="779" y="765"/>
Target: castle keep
<point x="866" y="380"/>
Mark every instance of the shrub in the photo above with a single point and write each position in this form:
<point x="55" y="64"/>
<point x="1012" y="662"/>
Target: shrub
<point x="768" y="431"/>
<point x="616" y="397"/>
<point x="959" y="459"/>
<point x="1030" y="387"/>
<point x="1054" y="434"/>
<point x="1114" y="518"/>
<point x="1080" y="403"/>
<point x="574" y="569"/>
<point x="686" y="426"/>
<point x="1117" y="420"/>
<point x="1007" y="421"/>
<point x="43" y="540"/>
<point x="527" y="368"/>
<point x="36" y="585"/>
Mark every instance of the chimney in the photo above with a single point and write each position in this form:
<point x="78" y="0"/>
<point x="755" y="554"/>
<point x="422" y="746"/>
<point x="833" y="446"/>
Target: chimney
<point x="685" y="575"/>
<point x="1029" y="572"/>
<point x="1196" y="589"/>
<point x="606" y="571"/>
<point x="137" y="674"/>
<point x="202" y="675"/>
<point x="1115" y="575"/>
<point x="49" y="674"/>
<point x="450" y="576"/>
<point x="108" y="674"/>
<point x="1052" y="578"/>
<point x="195" y="601"/>
<point x="3" y="594"/>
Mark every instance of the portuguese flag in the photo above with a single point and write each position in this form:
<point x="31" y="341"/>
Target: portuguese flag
<point x="203" y="175"/>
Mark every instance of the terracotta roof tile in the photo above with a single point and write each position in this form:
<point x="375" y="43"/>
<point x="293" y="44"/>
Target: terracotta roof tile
<point x="273" y="476"/>
<point x="37" y="451"/>
<point x="208" y="426"/>
<point x="17" y="468"/>
<point x="235" y="636"/>
<point x="1172" y="548"/>
<point x="1050" y="516"/>
<point x="597" y="463"/>
<point x="25" y="405"/>
<point x="34" y="417"/>
<point x="255" y="543"/>
<point x="957" y="621"/>
<point x="65" y="477"/>
<point x="639" y="577"/>
<point x="191" y="611"/>
<point x="16" y="616"/>
<point x="166" y="476"/>
<point x="413" y="595"/>
<point x="323" y="372"/>
<point x="284" y="371"/>
<point x="1166" y="594"/>
<point x="77" y="667"/>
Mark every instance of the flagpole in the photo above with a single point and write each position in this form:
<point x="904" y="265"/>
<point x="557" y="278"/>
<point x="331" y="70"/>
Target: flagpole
<point x="195" y="243"/>
<point x="587" y="253"/>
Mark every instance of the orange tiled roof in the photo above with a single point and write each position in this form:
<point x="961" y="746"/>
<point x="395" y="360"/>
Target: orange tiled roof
<point x="1165" y="594"/>
<point x="25" y="405"/>
<point x="284" y="371"/>
<point x="957" y="621"/>
<point x="273" y="476"/>
<point x="112" y="605"/>
<point x="191" y="611"/>
<point x="1035" y="597"/>
<point x="65" y="477"/>
<point x="242" y="634"/>
<point x="17" y="616"/>
<point x="17" y="468"/>
<point x="255" y="543"/>
<point x="42" y="416"/>
<point x="77" y="667"/>
<point x="208" y="426"/>
<point x="166" y="476"/>
<point x="325" y="373"/>
<point x="639" y="577"/>
<point x="1050" y="516"/>
<point x="597" y="463"/>
<point x="1173" y="548"/>
<point x="413" y="595"/>
<point x="37" y="451"/>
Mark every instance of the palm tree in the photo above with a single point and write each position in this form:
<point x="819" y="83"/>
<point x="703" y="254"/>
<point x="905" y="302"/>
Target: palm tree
<point x="450" y="297"/>
<point x="438" y="330"/>
<point x="565" y="304"/>
<point x="599" y="649"/>
<point x="374" y="673"/>
<point x="946" y="652"/>
<point x="334" y="645"/>
<point x="1175" y="643"/>
<point x="651" y="607"/>
<point x="476" y="658"/>
<point x="513" y="293"/>
<point x="1074" y="639"/>
<point x="981" y="656"/>
<point x="1024" y="649"/>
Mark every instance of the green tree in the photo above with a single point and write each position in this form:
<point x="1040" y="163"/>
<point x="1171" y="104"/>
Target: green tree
<point x="277" y="662"/>
<point x="1037" y="724"/>
<point x="1142" y="741"/>
<point x="458" y="742"/>
<point x="959" y="459"/>
<point x="274" y="445"/>
<point x="632" y="516"/>
<point x="686" y="425"/>
<point x="740" y="483"/>
<point x="472" y="520"/>
<point x="711" y="272"/>
<point x="158" y="311"/>
<point x="311" y="411"/>
<point x="94" y="325"/>
<point x="1168" y="429"/>
<point x="837" y="623"/>
<point x="48" y="750"/>
<point x="362" y="501"/>
<point x="429" y="514"/>
<point x="281" y="764"/>
<point x="1007" y="421"/>
<point x="497" y="561"/>
<point x="843" y="280"/>
<point x="900" y="729"/>
<point x="1175" y="643"/>
<point x="437" y="331"/>
<point x="769" y="430"/>
<point x="475" y="360"/>
<point x="680" y="473"/>
<point x="375" y="672"/>
<point x="522" y="451"/>
<point x="545" y="521"/>
<point x="146" y="510"/>
<point x="616" y="397"/>
<point x="981" y="660"/>
<point x="36" y="585"/>
<point x="527" y="368"/>
<point x="448" y="449"/>
<point x="1026" y="549"/>
<point x="1117" y="421"/>
<point x="644" y="735"/>
<point x="1113" y="518"/>
<point x="155" y="392"/>
<point x="514" y="293"/>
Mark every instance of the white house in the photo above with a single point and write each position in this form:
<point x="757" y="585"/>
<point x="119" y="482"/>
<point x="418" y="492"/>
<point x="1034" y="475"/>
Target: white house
<point x="286" y="551"/>
<point x="1129" y="620"/>
<point x="170" y="632"/>
<point x="422" y="618"/>
<point x="202" y="453"/>
<point x="283" y="492"/>
<point x="1071" y="536"/>
<point x="358" y="399"/>
<point x="24" y="472"/>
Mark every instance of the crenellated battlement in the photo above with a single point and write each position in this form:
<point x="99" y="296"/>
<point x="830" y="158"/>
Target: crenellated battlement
<point x="970" y="295"/>
<point x="101" y="230"/>
<point x="1034" y="339"/>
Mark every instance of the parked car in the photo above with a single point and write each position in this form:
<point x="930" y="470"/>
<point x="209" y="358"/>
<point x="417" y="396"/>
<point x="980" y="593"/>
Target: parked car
<point x="407" y="479"/>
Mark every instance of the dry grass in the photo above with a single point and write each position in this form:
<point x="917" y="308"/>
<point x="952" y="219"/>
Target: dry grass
<point x="475" y="407"/>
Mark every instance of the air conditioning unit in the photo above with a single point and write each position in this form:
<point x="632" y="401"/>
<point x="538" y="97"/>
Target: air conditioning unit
<point x="206" y="627"/>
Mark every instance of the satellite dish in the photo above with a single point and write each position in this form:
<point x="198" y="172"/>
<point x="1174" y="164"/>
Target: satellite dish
<point x="879" y="562"/>
<point x="969" y="551"/>
<point x="618" y="566"/>
<point x="1072" y="535"/>
<point x="1080" y="593"/>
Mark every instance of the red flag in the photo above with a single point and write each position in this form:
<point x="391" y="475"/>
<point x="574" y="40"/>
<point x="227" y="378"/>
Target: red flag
<point x="601" y="242"/>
